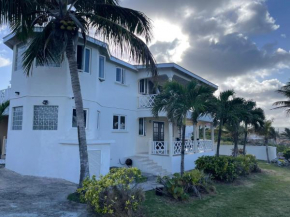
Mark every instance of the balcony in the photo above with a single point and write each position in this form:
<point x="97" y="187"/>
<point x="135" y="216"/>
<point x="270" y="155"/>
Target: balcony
<point x="146" y="101"/>
<point x="4" y="95"/>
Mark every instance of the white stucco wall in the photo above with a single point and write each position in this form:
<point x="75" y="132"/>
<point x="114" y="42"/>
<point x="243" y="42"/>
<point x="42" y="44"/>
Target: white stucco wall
<point x="258" y="151"/>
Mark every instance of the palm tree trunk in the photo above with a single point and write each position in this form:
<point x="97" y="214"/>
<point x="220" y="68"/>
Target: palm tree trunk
<point x="245" y="139"/>
<point x="267" y="150"/>
<point x="219" y="139"/>
<point x="182" y="149"/>
<point x="236" y="148"/>
<point x="83" y="152"/>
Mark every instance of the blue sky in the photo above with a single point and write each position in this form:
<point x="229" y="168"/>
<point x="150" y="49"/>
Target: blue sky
<point x="237" y="44"/>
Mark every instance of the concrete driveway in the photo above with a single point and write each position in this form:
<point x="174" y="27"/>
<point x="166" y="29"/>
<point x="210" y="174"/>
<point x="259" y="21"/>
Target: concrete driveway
<point x="28" y="196"/>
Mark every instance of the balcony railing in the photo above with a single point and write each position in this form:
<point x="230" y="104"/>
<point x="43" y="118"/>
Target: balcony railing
<point x="146" y="101"/>
<point x="4" y="95"/>
<point x="162" y="147"/>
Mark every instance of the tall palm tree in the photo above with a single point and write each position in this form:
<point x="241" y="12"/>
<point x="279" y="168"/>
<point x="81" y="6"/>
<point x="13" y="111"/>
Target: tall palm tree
<point x="253" y="117"/>
<point x="286" y="133"/>
<point x="177" y="99"/>
<point x="285" y="90"/>
<point x="61" y="22"/>
<point x="267" y="131"/>
<point x="3" y="107"/>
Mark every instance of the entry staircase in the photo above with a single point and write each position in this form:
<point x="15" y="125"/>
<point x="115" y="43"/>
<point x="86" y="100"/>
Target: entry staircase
<point x="148" y="166"/>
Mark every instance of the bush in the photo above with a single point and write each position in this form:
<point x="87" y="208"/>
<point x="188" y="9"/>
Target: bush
<point x="226" y="168"/>
<point x="191" y="183"/>
<point x="113" y="194"/>
<point x="286" y="154"/>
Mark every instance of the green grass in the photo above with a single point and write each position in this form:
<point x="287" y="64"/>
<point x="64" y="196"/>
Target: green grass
<point x="263" y="194"/>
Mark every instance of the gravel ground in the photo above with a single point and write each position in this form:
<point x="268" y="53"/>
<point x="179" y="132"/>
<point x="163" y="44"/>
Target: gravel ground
<point x="29" y="196"/>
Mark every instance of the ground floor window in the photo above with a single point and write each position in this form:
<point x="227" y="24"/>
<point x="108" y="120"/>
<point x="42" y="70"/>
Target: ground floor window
<point x="45" y="118"/>
<point x="74" y="117"/>
<point x="142" y="127"/>
<point x="17" y="118"/>
<point x="119" y="122"/>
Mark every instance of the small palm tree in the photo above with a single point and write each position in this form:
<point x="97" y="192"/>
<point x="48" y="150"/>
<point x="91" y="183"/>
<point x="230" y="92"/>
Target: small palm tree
<point x="285" y="90"/>
<point x="286" y="133"/>
<point x="253" y="117"/>
<point x="268" y="132"/>
<point x="176" y="100"/>
<point x="3" y="107"/>
<point x="61" y="22"/>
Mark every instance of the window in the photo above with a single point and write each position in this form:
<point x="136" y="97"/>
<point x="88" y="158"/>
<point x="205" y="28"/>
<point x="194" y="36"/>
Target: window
<point x="101" y="67"/>
<point x="20" y="49"/>
<point x="143" y="86"/>
<point x="83" y="58"/>
<point x="45" y="118"/>
<point x="120" y="75"/>
<point x="74" y="118"/>
<point x="17" y="118"/>
<point x="119" y="122"/>
<point x="142" y="127"/>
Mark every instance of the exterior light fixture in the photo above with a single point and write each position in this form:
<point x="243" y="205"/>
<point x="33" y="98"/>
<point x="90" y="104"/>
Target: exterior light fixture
<point x="45" y="102"/>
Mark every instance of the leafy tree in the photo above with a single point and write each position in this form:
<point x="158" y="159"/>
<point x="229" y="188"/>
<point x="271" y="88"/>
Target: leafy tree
<point x="285" y="90"/>
<point x="61" y="22"/>
<point x="286" y="133"/>
<point x="253" y="117"/>
<point x="177" y="99"/>
<point x="3" y="107"/>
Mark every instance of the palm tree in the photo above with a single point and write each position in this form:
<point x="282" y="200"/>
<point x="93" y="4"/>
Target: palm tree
<point x="267" y="131"/>
<point x="61" y="22"/>
<point x="285" y="90"/>
<point x="253" y="117"/>
<point x="225" y="110"/>
<point x="176" y="100"/>
<point x="286" y="133"/>
<point x="3" y="107"/>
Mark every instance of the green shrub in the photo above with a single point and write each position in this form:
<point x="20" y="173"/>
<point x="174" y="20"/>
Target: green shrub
<point x="227" y="168"/>
<point x="113" y="194"/>
<point x="286" y="154"/>
<point x="191" y="183"/>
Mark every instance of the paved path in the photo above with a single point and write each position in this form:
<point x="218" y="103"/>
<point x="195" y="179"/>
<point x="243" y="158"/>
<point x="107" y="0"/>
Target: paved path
<point x="27" y="196"/>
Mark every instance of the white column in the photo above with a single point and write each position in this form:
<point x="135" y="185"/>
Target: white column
<point x="170" y="78"/>
<point x="212" y="134"/>
<point x="170" y="136"/>
<point x="204" y="137"/>
<point x="197" y="131"/>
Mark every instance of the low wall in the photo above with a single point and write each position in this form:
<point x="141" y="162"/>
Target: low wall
<point x="258" y="151"/>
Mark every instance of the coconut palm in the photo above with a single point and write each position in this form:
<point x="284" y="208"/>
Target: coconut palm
<point x="285" y="90"/>
<point x="62" y="21"/>
<point x="3" y="107"/>
<point x="177" y="99"/>
<point x="268" y="132"/>
<point x="253" y="117"/>
<point x="286" y="133"/>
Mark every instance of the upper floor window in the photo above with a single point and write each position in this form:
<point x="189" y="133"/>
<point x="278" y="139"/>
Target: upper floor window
<point x="45" y="117"/>
<point x="143" y="86"/>
<point x="74" y="117"/>
<point x="83" y="58"/>
<point x="120" y="75"/>
<point x="119" y="122"/>
<point x="17" y="118"/>
<point x="20" y="49"/>
<point x="101" y="67"/>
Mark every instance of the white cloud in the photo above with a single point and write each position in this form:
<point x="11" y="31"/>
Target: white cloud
<point x="283" y="36"/>
<point x="4" y="61"/>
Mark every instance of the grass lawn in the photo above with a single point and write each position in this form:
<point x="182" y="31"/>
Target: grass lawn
<point x="264" y="194"/>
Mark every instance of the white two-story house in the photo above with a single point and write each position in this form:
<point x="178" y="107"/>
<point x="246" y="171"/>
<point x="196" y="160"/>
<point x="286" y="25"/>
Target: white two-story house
<point x="118" y="96"/>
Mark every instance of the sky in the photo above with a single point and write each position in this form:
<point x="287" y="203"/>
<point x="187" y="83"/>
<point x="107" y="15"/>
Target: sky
<point x="237" y="44"/>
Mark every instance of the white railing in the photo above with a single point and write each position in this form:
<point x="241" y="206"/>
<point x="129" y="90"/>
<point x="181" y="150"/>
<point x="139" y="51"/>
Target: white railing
<point x="204" y="145"/>
<point x="4" y="95"/>
<point x="146" y="101"/>
<point x="160" y="148"/>
<point x="189" y="147"/>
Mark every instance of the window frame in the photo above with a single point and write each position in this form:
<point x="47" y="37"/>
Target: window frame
<point x="84" y="48"/>
<point x="145" y="86"/>
<point x="123" y="76"/>
<point x="100" y="78"/>
<point x="34" y="116"/>
<point x="13" y="116"/>
<point x="87" y="118"/>
<point x="119" y="122"/>
<point x="143" y="126"/>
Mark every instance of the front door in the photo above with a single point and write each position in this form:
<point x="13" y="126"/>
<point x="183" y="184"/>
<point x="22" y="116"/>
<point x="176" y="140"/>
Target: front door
<point x="158" y="131"/>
